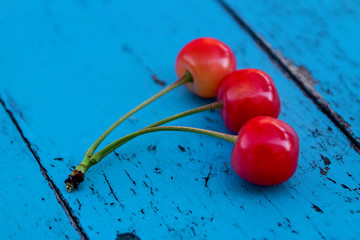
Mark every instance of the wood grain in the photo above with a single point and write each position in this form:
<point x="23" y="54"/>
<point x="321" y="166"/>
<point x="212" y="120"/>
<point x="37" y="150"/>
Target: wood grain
<point x="29" y="209"/>
<point x="317" y="43"/>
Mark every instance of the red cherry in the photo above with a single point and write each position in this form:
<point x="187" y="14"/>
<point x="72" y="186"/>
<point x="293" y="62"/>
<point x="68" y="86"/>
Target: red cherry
<point x="208" y="60"/>
<point x="246" y="94"/>
<point x="266" y="152"/>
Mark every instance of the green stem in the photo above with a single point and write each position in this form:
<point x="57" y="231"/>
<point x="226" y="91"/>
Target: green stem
<point x="77" y="176"/>
<point x="89" y="161"/>
<point x="186" y="78"/>
<point x="214" y="105"/>
<point x="113" y="146"/>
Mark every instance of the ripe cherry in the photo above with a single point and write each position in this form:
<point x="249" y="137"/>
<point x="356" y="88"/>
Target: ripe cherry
<point x="266" y="152"/>
<point x="245" y="94"/>
<point x="208" y="60"/>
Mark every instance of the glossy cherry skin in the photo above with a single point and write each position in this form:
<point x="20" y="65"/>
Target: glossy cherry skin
<point x="245" y="94"/>
<point x="266" y="152"/>
<point x="208" y="60"/>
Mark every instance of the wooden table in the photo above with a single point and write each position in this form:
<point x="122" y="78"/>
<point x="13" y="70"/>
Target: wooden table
<point x="69" y="69"/>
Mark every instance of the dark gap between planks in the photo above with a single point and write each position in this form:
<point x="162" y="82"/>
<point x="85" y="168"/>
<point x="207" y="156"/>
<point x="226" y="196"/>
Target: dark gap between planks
<point x="74" y="221"/>
<point x="300" y="75"/>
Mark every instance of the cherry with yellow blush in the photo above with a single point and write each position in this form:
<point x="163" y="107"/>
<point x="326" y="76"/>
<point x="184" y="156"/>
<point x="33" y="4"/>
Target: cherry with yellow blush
<point x="208" y="61"/>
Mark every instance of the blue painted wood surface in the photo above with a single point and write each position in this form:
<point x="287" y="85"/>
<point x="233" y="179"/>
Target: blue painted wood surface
<point x="70" y="69"/>
<point x="28" y="207"/>
<point x="318" y="36"/>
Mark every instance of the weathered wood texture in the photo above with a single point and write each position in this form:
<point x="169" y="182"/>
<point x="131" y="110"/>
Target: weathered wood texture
<point x="28" y="207"/>
<point x="319" y="42"/>
<point x="68" y="70"/>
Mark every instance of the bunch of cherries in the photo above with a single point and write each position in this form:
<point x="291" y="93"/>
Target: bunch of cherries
<point x="266" y="149"/>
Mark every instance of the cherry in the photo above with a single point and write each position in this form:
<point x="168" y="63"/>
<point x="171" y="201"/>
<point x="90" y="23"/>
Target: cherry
<point x="245" y="94"/>
<point x="207" y="60"/>
<point x="266" y="151"/>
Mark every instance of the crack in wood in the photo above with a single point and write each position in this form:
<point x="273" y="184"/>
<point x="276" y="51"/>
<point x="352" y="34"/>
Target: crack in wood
<point x="111" y="189"/>
<point x="127" y="236"/>
<point x="316" y="208"/>
<point x="327" y="161"/>
<point x="130" y="177"/>
<point x="207" y="177"/>
<point x="158" y="81"/>
<point x="299" y="74"/>
<point x="79" y="204"/>
<point x="59" y="197"/>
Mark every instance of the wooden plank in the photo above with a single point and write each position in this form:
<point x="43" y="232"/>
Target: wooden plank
<point x="320" y="45"/>
<point x="29" y="209"/>
<point x="85" y="64"/>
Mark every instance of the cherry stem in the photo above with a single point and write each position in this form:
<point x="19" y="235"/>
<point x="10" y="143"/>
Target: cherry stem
<point x="77" y="176"/>
<point x="89" y="161"/>
<point x="186" y="78"/>
<point x="214" y="105"/>
<point x="113" y="146"/>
